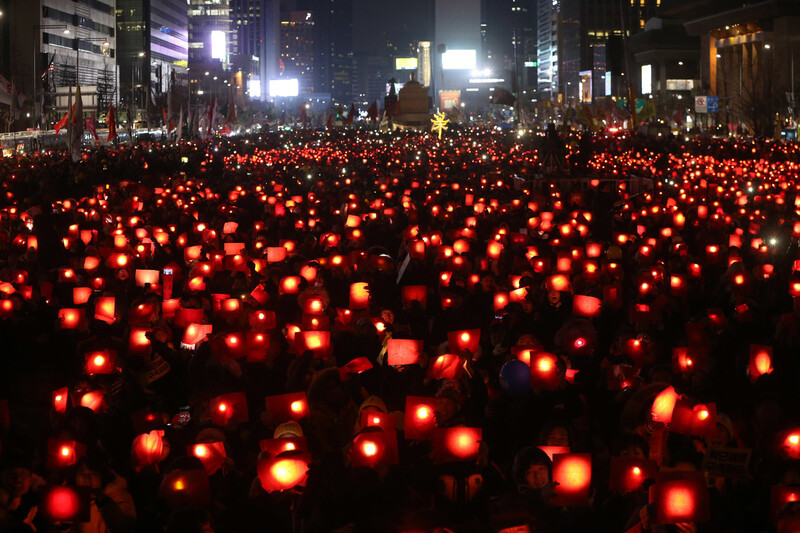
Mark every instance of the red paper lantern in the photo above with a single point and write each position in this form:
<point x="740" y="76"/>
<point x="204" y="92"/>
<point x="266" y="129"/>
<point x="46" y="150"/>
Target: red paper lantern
<point x="230" y="307"/>
<point x="60" y="400"/>
<point x="594" y="249"/>
<point x="313" y="306"/>
<point x="688" y="359"/>
<point x="235" y="345"/>
<point x="142" y="313"/>
<point x="65" y="504"/>
<point x="185" y="487"/>
<point x="148" y="448"/>
<point x="211" y="454"/>
<point x="445" y="366"/>
<point x="262" y="320"/>
<point x="71" y="318"/>
<point x="663" y="405"/>
<point x="194" y="334"/>
<point x="544" y="371"/>
<point x="257" y="346"/>
<point x="230" y="407"/>
<point x="94" y="400"/>
<point x="144" y="277"/>
<point x="467" y="339"/>
<point x="289" y="285"/>
<point x="100" y="362"/>
<point x="318" y="342"/>
<point x="780" y="497"/>
<point x="586" y="306"/>
<point x="412" y="293"/>
<point x="290" y="406"/>
<point x="500" y="301"/>
<point x="80" y="295"/>
<point x="760" y="361"/>
<point x="138" y="343"/>
<point x="66" y="275"/>
<point x="790" y="443"/>
<point x="558" y="282"/>
<point x="699" y="420"/>
<point x="629" y="473"/>
<point x="281" y="445"/>
<point x="552" y="451"/>
<point x="184" y="317"/>
<point x="369" y="448"/>
<point x="420" y="421"/>
<point x="283" y="472"/>
<point x="359" y="295"/>
<point x="677" y="285"/>
<point x="403" y="351"/>
<point x="494" y="249"/>
<point x="516" y="296"/>
<point x="680" y="497"/>
<point x="456" y="444"/>
<point x="63" y="453"/>
<point x="276" y="254"/>
<point x="105" y="309"/>
<point x="417" y="250"/>
<point x="573" y="475"/>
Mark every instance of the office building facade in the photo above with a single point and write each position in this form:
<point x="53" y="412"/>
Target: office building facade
<point x="257" y="24"/>
<point x="153" y="57"/>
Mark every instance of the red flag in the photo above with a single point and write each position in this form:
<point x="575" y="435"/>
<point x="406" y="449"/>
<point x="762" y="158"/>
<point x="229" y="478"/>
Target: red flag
<point x="372" y="112"/>
<point x="329" y="124"/>
<point x="211" y="114"/>
<point x="90" y="126"/>
<point x="111" y="122"/>
<point x="303" y="113"/>
<point x="61" y="123"/>
<point x="351" y="114"/>
<point x="164" y="116"/>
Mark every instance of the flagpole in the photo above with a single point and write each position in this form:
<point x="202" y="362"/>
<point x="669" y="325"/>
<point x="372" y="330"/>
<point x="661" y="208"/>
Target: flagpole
<point x="36" y="28"/>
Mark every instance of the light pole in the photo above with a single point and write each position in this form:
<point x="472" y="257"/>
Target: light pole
<point x="36" y="40"/>
<point x="132" y="106"/>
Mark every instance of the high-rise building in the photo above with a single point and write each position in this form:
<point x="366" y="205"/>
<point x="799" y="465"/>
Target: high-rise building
<point x="153" y="57"/>
<point x="52" y="45"/>
<point x="211" y="39"/>
<point x="548" y="38"/>
<point x="424" y="65"/>
<point x="370" y="74"/>
<point x="508" y="31"/>
<point x="333" y="37"/>
<point x="576" y="39"/>
<point x="257" y="24"/>
<point x="297" y="51"/>
<point x="457" y="38"/>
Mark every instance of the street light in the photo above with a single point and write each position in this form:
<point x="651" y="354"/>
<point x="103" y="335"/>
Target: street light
<point x="35" y="41"/>
<point x="132" y="120"/>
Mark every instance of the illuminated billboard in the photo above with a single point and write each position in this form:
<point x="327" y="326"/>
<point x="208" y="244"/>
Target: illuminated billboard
<point x="586" y="86"/>
<point x="254" y="88"/>
<point x="218" y="48"/>
<point x="449" y="99"/>
<point x="284" y="87"/>
<point x="405" y="63"/>
<point x="460" y="60"/>
<point x="647" y="79"/>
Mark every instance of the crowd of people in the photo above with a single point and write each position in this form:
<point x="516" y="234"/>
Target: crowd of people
<point x="364" y="331"/>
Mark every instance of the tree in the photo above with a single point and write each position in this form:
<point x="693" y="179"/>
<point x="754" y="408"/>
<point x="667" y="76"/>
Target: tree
<point x="760" y="95"/>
